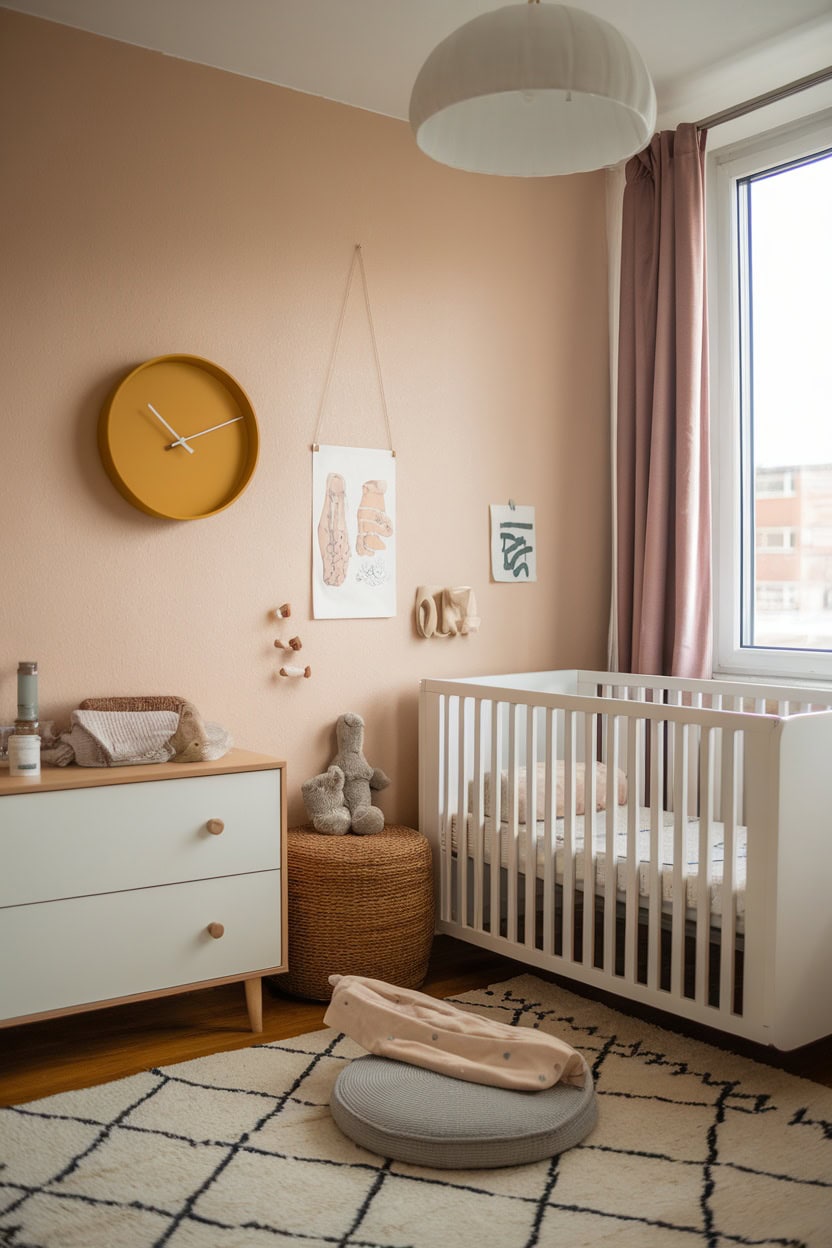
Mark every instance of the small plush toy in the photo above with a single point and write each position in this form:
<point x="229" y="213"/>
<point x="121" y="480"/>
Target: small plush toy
<point x="360" y="779"/>
<point x="340" y="799"/>
<point x="190" y="739"/>
<point x="323" y="797"/>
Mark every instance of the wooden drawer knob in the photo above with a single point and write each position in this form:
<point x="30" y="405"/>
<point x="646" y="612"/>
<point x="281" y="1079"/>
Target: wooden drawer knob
<point x="216" y="930"/>
<point x="215" y="826"/>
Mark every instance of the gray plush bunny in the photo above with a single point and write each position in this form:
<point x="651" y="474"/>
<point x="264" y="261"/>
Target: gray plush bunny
<point x="323" y="797"/>
<point x="341" y="798"/>
<point x="360" y="779"/>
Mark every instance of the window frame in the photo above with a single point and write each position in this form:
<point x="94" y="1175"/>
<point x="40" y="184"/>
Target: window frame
<point x="726" y="166"/>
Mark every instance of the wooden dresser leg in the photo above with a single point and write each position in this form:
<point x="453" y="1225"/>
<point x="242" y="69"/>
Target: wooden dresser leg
<point x="254" y="1003"/>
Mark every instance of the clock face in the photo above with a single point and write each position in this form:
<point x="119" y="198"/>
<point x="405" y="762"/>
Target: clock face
<point x="179" y="438"/>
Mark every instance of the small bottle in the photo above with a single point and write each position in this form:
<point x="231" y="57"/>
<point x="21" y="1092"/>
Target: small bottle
<point x="27" y="690"/>
<point x="24" y="743"/>
<point x="24" y="755"/>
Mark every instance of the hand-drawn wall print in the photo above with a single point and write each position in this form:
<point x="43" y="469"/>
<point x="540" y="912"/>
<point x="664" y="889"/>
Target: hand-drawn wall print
<point x="354" y="533"/>
<point x="333" y="539"/>
<point x="513" y="543"/>
<point x="373" y="521"/>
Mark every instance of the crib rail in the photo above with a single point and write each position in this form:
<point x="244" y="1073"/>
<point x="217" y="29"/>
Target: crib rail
<point x="780" y="700"/>
<point x="616" y="830"/>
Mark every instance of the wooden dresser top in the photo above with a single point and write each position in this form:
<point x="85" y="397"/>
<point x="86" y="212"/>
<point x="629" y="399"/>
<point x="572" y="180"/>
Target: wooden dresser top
<point x="74" y="777"/>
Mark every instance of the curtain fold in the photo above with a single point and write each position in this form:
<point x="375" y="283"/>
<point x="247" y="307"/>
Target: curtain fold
<point x="663" y="559"/>
<point x="614" y="195"/>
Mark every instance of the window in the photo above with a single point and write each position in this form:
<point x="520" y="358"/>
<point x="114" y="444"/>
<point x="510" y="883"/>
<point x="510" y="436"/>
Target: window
<point x="775" y="482"/>
<point x="777" y="596"/>
<point x="774" y="539"/>
<point x="770" y="291"/>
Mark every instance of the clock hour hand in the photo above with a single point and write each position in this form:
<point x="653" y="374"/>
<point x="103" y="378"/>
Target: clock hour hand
<point x="179" y="441"/>
<point x="191" y="436"/>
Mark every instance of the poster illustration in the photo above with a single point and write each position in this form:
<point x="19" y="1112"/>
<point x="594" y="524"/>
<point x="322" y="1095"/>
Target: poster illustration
<point x="513" y="543"/>
<point x="353" y="533"/>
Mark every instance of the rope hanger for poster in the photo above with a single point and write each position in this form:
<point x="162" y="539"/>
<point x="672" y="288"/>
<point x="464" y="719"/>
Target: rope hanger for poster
<point x="357" y="261"/>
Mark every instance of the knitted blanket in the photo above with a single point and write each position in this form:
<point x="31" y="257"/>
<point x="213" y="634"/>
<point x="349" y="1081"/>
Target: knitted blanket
<point x="125" y="738"/>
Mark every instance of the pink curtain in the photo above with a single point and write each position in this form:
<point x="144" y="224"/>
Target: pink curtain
<point x="663" y="472"/>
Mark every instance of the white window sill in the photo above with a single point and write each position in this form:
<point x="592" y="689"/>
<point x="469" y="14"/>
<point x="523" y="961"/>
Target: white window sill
<point x="785" y="679"/>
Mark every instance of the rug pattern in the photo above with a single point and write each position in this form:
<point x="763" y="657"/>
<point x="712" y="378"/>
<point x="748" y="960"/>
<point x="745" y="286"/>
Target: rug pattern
<point x="694" y="1147"/>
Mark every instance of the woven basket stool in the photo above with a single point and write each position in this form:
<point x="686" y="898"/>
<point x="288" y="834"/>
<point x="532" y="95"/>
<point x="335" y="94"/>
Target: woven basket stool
<point x="358" y="905"/>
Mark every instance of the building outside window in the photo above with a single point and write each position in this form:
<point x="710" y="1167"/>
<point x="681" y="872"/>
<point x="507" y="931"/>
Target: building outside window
<point x="775" y="482"/>
<point x="772" y="537"/>
<point x="793" y="562"/>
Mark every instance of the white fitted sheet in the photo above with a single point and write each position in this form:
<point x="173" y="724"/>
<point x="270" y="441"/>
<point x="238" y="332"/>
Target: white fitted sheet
<point x="717" y="844"/>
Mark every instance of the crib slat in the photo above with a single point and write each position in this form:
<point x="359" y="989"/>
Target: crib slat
<point x="654" y="902"/>
<point x="494" y="912"/>
<point x="462" y="819"/>
<point x="729" y="816"/>
<point x="611" y="868"/>
<point x="531" y="824"/>
<point x="511" y="826"/>
<point x="590" y="727"/>
<point x="549" y="816"/>
<point x="476" y="815"/>
<point x="568" y="894"/>
<point x="705" y="867"/>
<point x="673" y="697"/>
<point x="447" y="874"/>
<point x="635" y="760"/>
<point x="680" y="860"/>
<point x="693" y="758"/>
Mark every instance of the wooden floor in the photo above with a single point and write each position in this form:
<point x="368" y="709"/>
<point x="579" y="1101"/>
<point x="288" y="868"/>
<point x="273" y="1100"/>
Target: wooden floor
<point x="79" y="1050"/>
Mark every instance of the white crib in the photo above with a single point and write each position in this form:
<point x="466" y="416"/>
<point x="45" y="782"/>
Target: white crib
<point x="705" y="827"/>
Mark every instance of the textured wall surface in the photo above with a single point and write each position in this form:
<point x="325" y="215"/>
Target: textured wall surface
<point x="149" y="205"/>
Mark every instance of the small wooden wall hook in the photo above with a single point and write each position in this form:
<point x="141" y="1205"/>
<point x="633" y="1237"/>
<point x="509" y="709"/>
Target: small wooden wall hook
<point x="296" y="671"/>
<point x="294" y="643"/>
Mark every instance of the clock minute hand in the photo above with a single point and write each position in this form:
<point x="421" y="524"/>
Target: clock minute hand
<point x="179" y="441"/>
<point x="191" y="436"/>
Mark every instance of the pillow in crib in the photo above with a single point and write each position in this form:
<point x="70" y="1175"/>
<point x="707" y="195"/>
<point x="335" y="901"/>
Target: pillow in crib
<point x="580" y="789"/>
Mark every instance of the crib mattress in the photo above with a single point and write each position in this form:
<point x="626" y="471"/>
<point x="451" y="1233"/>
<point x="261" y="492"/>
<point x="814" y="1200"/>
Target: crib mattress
<point x="486" y="833"/>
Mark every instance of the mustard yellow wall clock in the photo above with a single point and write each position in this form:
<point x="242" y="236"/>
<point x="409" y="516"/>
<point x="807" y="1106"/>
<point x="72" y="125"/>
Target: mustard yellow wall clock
<point x="179" y="438"/>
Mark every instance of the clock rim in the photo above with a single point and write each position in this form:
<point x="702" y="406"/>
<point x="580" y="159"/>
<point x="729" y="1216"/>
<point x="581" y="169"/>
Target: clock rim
<point x="247" y="412"/>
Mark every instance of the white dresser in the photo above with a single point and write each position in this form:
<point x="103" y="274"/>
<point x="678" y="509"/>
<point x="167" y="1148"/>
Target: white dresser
<point x="125" y="882"/>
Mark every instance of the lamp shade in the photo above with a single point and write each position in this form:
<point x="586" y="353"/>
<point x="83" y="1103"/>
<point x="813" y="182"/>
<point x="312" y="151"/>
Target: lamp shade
<point x="532" y="90"/>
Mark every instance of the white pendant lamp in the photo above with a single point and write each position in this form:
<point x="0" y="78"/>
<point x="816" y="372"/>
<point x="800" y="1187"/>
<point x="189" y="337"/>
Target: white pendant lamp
<point x="532" y="90"/>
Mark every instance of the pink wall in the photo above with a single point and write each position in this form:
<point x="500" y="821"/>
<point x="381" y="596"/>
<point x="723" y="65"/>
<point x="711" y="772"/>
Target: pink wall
<point x="149" y="206"/>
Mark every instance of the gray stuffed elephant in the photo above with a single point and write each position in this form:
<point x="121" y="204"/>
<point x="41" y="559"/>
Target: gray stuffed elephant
<point x="341" y="798"/>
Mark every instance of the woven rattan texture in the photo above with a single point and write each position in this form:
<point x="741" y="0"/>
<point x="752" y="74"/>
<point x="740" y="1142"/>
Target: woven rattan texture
<point x="358" y="905"/>
<point x="148" y="702"/>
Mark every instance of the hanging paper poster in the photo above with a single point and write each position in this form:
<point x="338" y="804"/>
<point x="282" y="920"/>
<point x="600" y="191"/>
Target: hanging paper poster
<point x="513" y="543"/>
<point x="353" y="533"/>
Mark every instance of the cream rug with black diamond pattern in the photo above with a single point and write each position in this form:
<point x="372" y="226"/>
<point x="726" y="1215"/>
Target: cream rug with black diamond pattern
<point x="693" y="1147"/>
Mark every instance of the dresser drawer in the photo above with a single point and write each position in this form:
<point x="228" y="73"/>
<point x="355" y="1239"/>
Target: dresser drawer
<point x="60" y="954"/>
<point x="95" y="840"/>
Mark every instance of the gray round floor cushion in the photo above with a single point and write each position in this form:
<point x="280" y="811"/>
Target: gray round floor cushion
<point x="402" y="1111"/>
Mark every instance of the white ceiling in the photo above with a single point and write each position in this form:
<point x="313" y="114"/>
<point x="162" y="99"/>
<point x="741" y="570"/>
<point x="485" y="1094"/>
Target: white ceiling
<point x="703" y="54"/>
